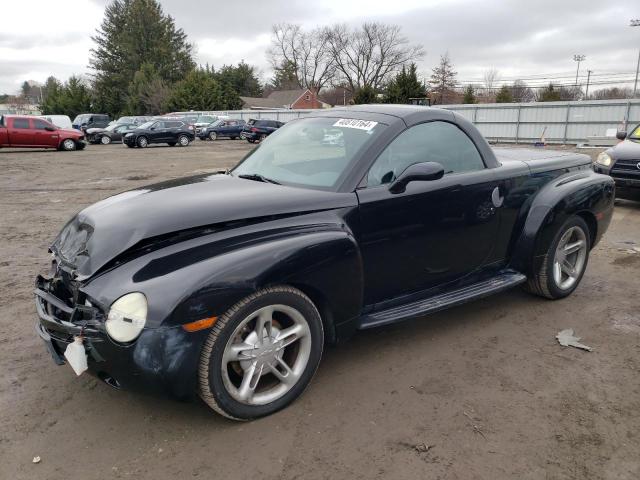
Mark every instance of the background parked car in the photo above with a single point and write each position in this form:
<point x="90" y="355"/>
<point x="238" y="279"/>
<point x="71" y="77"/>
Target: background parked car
<point x="171" y="132"/>
<point x="135" y="120"/>
<point x="113" y="133"/>
<point x="60" y="121"/>
<point x="256" y="130"/>
<point x="91" y="120"/>
<point x="32" y="132"/>
<point x="222" y="128"/>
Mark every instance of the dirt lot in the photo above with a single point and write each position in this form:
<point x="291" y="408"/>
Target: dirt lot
<point x="482" y="391"/>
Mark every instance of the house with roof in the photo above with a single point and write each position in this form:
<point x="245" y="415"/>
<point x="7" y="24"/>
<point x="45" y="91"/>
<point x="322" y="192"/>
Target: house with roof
<point x="302" y="98"/>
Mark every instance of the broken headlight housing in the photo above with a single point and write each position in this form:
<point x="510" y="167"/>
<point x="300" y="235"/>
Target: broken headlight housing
<point x="127" y="317"/>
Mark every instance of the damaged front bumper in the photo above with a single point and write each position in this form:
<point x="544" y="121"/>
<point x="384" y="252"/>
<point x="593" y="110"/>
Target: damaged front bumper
<point x="160" y="360"/>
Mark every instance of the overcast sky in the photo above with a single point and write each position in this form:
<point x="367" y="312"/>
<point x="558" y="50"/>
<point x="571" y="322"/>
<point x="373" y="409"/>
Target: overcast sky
<point x="518" y="38"/>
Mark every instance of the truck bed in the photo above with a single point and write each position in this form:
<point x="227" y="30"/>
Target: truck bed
<point x="540" y="160"/>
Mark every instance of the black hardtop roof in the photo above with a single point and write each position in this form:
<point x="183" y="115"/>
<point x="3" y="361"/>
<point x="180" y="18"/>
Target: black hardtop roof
<point x="389" y="113"/>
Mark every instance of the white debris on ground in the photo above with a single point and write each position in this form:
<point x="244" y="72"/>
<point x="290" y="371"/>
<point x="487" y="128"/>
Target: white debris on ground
<point x="566" y="338"/>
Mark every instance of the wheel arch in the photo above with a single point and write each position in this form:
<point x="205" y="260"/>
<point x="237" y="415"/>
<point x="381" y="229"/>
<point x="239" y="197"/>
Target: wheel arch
<point x="585" y="194"/>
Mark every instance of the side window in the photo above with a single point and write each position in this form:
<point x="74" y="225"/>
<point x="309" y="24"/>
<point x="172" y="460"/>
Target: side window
<point x="21" y="123"/>
<point x="39" y="124"/>
<point x="438" y="141"/>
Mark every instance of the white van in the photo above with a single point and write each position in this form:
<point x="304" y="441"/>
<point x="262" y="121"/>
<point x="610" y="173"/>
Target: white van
<point x="60" y="121"/>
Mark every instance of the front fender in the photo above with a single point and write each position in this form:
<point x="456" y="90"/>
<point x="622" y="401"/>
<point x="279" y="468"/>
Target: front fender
<point x="204" y="277"/>
<point x="583" y="193"/>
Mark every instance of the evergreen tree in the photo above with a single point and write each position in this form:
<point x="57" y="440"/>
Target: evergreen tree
<point x="469" y="95"/>
<point x="285" y="77"/>
<point x="504" y="95"/>
<point x="549" y="94"/>
<point x="201" y="91"/>
<point x="135" y="32"/>
<point x="405" y="85"/>
<point x="366" y="94"/>
<point x="52" y="92"/>
<point x="147" y="92"/>
<point x="443" y="79"/>
<point x="242" y="78"/>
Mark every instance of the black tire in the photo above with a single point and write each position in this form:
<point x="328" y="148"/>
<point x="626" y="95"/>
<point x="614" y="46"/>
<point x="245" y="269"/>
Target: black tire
<point x="263" y="137"/>
<point x="142" y="142"/>
<point x="171" y="144"/>
<point x="211" y="383"/>
<point x="68" y="145"/>
<point x="543" y="283"/>
<point x="183" y="141"/>
<point x="234" y="138"/>
<point x="213" y="136"/>
<point x="250" y="140"/>
<point x="105" y="140"/>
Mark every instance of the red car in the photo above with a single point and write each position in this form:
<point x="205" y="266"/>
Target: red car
<point x="31" y="132"/>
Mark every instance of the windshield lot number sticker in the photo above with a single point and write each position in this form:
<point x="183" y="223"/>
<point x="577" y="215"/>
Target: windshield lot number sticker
<point x="353" y="123"/>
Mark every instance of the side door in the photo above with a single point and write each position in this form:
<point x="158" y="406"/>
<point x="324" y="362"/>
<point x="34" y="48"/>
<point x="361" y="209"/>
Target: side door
<point x="435" y="232"/>
<point x="157" y="132"/>
<point x="42" y="136"/>
<point x="20" y="132"/>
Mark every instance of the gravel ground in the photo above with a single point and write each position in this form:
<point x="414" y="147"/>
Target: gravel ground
<point x="482" y="391"/>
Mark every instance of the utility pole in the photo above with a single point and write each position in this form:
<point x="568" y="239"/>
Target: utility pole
<point x="578" y="58"/>
<point x="636" y="23"/>
<point x="586" y="93"/>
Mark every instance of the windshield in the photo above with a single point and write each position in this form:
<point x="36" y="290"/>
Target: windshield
<point x="217" y="123"/>
<point x="111" y="127"/>
<point x="81" y="118"/>
<point x="636" y="133"/>
<point x="146" y="124"/>
<point x="206" y="119"/>
<point x="313" y="152"/>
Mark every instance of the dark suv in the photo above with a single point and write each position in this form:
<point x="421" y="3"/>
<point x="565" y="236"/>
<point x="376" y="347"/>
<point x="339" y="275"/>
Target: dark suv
<point x="171" y="132"/>
<point x="622" y="162"/>
<point x="256" y="130"/>
<point x="90" y="120"/>
<point x="231" y="128"/>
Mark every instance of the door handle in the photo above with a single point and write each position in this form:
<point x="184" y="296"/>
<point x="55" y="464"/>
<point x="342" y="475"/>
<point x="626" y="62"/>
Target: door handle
<point x="496" y="198"/>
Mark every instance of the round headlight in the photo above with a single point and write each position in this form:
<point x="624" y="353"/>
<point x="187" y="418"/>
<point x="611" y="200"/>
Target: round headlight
<point x="127" y="317"/>
<point x="604" y="159"/>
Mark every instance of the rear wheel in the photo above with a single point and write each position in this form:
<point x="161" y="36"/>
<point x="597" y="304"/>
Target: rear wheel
<point x="143" y="142"/>
<point x="234" y="138"/>
<point x="105" y="140"/>
<point x="183" y="140"/>
<point x="261" y="354"/>
<point x="68" y="145"/>
<point x="565" y="262"/>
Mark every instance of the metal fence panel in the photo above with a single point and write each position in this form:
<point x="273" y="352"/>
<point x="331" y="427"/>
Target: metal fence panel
<point x="563" y="122"/>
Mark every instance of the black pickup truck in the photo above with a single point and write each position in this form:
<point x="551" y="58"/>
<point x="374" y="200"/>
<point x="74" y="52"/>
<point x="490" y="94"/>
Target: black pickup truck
<point x="228" y="285"/>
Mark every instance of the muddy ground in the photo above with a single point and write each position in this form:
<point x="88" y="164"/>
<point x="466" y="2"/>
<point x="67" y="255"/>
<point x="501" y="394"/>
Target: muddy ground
<point x="482" y="391"/>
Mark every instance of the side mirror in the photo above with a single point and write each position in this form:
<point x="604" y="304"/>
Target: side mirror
<point x="152" y="128"/>
<point x="418" y="172"/>
<point x="621" y="134"/>
<point x="49" y="128"/>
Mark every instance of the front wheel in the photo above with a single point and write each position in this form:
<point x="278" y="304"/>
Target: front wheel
<point x="68" y="145"/>
<point x="565" y="262"/>
<point x="213" y="136"/>
<point x="183" y="140"/>
<point x="261" y="354"/>
<point x="105" y="140"/>
<point x="143" y="142"/>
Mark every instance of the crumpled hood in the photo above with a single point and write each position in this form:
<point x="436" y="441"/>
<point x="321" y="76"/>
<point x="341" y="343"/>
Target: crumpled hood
<point x="95" y="130"/>
<point x="108" y="228"/>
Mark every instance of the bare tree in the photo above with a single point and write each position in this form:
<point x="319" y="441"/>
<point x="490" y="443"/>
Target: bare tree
<point x="368" y="55"/>
<point x="306" y="53"/>
<point x="521" y="92"/>
<point x="490" y="77"/>
<point x="443" y="80"/>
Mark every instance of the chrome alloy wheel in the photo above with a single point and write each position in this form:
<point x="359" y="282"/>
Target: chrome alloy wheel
<point x="570" y="257"/>
<point x="266" y="355"/>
